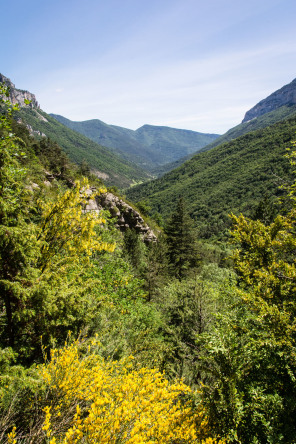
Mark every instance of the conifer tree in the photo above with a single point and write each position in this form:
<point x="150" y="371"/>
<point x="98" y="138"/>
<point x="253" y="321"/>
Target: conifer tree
<point x="181" y="241"/>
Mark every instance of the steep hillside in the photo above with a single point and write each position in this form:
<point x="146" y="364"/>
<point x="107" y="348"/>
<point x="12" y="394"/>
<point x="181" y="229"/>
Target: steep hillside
<point x="171" y="144"/>
<point x="283" y="96"/>
<point x="105" y="162"/>
<point x="278" y="115"/>
<point x="149" y="146"/>
<point x="234" y="176"/>
<point x="279" y="106"/>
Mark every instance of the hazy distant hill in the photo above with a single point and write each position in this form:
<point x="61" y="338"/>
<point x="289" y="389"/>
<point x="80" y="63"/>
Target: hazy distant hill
<point x="149" y="146"/>
<point x="105" y="162"/>
<point x="232" y="177"/>
<point x="117" y="138"/>
<point x="172" y="144"/>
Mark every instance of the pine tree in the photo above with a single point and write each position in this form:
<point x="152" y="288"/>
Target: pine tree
<point x="181" y="241"/>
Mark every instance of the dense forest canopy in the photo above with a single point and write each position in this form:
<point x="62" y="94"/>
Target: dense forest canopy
<point x="104" y="338"/>
<point x="237" y="176"/>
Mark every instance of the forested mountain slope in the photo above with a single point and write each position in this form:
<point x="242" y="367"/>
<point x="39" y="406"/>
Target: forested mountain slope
<point x="105" y="162"/>
<point x="279" y="106"/>
<point x="105" y="338"/>
<point x="282" y="113"/>
<point x="149" y="146"/>
<point x="120" y="139"/>
<point x="233" y="177"/>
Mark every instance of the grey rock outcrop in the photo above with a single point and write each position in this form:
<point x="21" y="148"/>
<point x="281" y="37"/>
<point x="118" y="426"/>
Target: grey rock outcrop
<point x="18" y="96"/>
<point x="284" y="96"/>
<point x="127" y="217"/>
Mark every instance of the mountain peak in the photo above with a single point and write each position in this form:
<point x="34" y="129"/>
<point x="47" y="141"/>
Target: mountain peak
<point x="283" y="96"/>
<point x="18" y="96"/>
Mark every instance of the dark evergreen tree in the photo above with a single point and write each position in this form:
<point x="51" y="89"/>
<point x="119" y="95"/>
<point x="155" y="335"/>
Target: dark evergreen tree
<point x="134" y="248"/>
<point x="181" y="242"/>
<point x="156" y="269"/>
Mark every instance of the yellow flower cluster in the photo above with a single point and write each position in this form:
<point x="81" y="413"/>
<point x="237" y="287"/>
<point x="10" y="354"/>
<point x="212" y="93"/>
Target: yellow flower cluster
<point x="67" y="228"/>
<point x="11" y="437"/>
<point x="114" y="402"/>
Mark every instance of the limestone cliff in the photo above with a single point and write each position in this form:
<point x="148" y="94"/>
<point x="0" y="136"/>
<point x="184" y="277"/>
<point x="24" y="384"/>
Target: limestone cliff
<point x="284" y="96"/>
<point x="18" y="96"/>
<point x="126" y="216"/>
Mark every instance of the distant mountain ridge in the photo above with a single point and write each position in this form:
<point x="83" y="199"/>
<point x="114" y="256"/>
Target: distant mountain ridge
<point x="117" y="138"/>
<point x="106" y="163"/>
<point x="232" y="177"/>
<point x="283" y="96"/>
<point x="233" y="173"/>
<point x="149" y="146"/>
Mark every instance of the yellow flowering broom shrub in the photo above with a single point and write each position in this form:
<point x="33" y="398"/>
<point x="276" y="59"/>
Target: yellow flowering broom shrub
<point x="66" y="227"/>
<point x="95" y="401"/>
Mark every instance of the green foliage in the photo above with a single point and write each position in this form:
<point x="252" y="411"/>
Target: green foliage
<point x="144" y="207"/>
<point x="148" y="146"/>
<point x="105" y="161"/>
<point x="189" y="308"/>
<point x="249" y="358"/>
<point x="172" y="304"/>
<point x="181" y="242"/>
<point x="18" y="391"/>
<point x="232" y="177"/>
<point x="134" y="248"/>
<point x="11" y="171"/>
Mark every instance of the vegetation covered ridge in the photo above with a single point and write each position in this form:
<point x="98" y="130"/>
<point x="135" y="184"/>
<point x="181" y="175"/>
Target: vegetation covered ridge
<point x="106" y="339"/>
<point x="148" y="146"/>
<point x="104" y="162"/>
<point x="235" y="176"/>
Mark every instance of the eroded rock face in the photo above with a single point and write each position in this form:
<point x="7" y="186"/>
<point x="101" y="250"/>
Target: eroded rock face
<point x="284" y="96"/>
<point x="18" y="96"/>
<point x="127" y="217"/>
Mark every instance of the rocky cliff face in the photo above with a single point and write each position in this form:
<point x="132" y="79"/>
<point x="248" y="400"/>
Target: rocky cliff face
<point x="126" y="216"/>
<point x="18" y="96"/>
<point x="284" y="96"/>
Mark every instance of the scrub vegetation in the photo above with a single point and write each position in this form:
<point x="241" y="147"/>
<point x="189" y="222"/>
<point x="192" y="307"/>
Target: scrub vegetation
<point x="106" y="339"/>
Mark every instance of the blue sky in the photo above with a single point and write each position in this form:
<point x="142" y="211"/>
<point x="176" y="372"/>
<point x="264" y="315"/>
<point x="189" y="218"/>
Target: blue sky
<point x="196" y="65"/>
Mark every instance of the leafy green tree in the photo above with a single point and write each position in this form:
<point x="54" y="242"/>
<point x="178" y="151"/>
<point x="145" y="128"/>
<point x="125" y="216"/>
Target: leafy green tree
<point x="249" y="358"/>
<point x="189" y="308"/>
<point x="41" y="264"/>
<point x="156" y="268"/>
<point x="18" y="244"/>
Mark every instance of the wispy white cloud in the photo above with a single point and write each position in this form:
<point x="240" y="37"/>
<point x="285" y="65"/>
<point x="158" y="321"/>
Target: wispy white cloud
<point x="196" y="65"/>
<point x="204" y="94"/>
